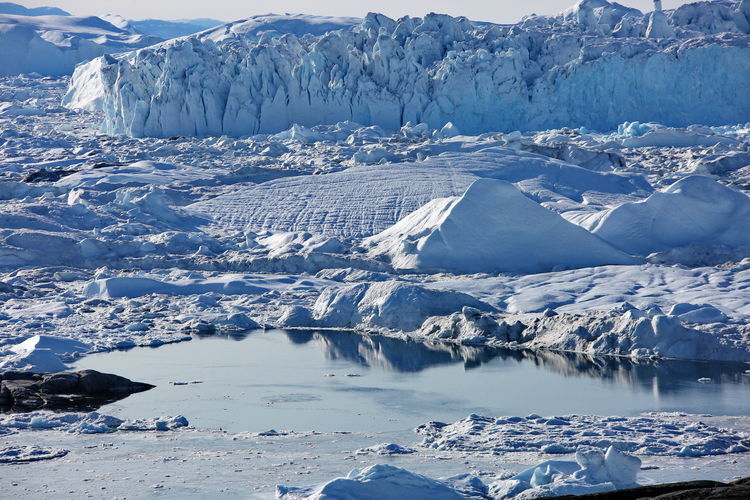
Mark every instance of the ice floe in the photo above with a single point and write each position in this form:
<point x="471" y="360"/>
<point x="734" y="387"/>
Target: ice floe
<point x="657" y="434"/>
<point x="87" y="423"/>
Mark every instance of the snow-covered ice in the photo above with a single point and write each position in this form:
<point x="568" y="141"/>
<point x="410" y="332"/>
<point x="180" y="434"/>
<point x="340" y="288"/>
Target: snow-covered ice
<point x="87" y="423"/>
<point x="492" y="227"/>
<point x="373" y="482"/>
<point x="657" y="434"/>
<point x="571" y="183"/>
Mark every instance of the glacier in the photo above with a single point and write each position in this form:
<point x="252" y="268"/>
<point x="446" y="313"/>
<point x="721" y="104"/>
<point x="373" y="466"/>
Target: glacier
<point x="544" y="72"/>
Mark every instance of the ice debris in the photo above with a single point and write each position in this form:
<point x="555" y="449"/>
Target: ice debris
<point x="87" y="423"/>
<point x="643" y="435"/>
<point x="23" y="454"/>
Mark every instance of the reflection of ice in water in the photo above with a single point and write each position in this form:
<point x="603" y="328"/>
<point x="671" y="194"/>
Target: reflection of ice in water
<point x="277" y="379"/>
<point x="398" y="356"/>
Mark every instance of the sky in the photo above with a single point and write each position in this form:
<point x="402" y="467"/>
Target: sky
<point x="502" y="11"/>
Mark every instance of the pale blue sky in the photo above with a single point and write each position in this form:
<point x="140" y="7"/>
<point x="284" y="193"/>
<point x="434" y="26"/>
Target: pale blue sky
<point x="484" y="10"/>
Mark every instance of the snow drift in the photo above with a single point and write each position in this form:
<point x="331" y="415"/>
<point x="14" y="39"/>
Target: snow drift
<point x="693" y="211"/>
<point x="542" y="73"/>
<point x="492" y="227"/>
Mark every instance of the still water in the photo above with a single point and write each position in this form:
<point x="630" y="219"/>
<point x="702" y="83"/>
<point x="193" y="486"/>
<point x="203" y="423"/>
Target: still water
<point x="340" y="381"/>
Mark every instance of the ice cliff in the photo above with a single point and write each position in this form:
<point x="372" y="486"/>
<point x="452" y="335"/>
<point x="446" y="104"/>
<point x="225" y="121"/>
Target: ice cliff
<point x="595" y="65"/>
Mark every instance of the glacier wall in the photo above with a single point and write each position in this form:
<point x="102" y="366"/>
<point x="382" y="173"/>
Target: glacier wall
<point x="594" y="69"/>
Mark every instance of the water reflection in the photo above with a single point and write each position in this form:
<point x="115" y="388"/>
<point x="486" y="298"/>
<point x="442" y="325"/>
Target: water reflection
<point x="395" y="355"/>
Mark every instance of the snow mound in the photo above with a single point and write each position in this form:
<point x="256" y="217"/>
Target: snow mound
<point x="230" y="284"/>
<point x="375" y="482"/>
<point x="648" y="435"/>
<point x="433" y="70"/>
<point x="391" y="304"/>
<point x="386" y="449"/>
<point x="492" y="227"/>
<point x="42" y="354"/>
<point x="695" y="210"/>
<point x="142" y="173"/>
<point x="57" y="345"/>
<point x="623" y="331"/>
<point x="53" y="44"/>
<point x="162" y="28"/>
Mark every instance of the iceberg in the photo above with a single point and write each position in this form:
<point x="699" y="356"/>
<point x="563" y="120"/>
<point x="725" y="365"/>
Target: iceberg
<point x="492" y="227"/>
<point x="695" y="210"/>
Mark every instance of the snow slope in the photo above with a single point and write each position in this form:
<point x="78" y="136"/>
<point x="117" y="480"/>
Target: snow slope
<point x="19" y="10"/>
<point x="541" y="73"/>
<point x="53" y="45"/>
<point x="693" y="211"/>
<point x="162" y="28"/>
<point x="362" y="201"/>
<point x="299" y="25"/>
<point x="492" y="227"/>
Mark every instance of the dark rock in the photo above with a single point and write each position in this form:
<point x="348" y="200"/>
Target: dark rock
<point x="60" y="383"/>
<point x="104" y="164"/>
<point x="725" y="493"/>
<point x="689" y="490"/>
<point x="94" y="382"/>
<point x="44" y="175"/>
<point x="87" y="389"/>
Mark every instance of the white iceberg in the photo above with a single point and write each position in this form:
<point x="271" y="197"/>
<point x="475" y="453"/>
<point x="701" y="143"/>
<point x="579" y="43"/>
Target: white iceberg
<point x="492" y="227"/>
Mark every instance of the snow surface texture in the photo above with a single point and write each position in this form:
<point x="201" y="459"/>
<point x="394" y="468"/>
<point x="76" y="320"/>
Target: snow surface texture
<point x="544" y="72"/>
<point x="381" y="195"/>
<point x="54" y="44"/>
